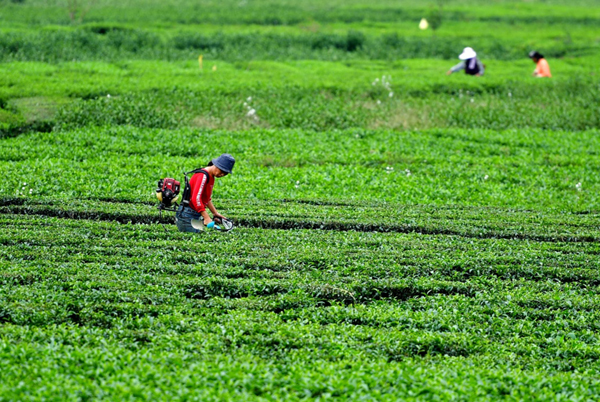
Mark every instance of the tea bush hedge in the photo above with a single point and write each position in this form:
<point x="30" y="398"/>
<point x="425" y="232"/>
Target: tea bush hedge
<point x="400" y="234"/>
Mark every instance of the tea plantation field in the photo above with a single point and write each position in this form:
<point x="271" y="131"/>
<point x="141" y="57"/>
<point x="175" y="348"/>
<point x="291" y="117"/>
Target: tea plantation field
<point x="400" y="234"/>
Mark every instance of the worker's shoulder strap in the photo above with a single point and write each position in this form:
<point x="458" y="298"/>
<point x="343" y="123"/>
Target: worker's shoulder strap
<point x="199" y="170"/>
<point x="187" y="191"/>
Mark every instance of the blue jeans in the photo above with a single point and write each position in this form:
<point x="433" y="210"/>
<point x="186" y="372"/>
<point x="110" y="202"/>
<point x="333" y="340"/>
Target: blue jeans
<point x="184" y="217"/>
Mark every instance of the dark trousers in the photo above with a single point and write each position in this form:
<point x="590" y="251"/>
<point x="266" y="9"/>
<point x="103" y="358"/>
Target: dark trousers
<point x="184" y="217"/>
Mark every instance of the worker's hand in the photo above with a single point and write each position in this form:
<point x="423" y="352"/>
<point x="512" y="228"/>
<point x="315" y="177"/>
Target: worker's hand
<point x="207" y="220"/>
<point x="218" y="217"/>
<point x="448" y="72"/>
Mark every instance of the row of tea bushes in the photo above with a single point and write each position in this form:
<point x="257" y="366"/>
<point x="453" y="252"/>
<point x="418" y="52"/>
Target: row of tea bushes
<point x="95" y="304"/>
<point x="523" y="169"/>
<point x="468" y="222"/>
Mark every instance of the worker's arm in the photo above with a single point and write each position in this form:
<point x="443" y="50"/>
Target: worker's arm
<point x="214" y="210"/>
<point x="458" y="67"/>
<point x="481" y="68"/>
<point x="196" y="196"/>
<point x="206" y="217"/>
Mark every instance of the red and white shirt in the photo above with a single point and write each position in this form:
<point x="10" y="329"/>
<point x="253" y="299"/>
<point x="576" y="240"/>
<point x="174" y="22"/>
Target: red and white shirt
<point x="202" y="187"/>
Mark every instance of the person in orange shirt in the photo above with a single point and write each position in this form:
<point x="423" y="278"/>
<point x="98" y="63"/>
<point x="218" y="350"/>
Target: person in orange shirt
<point x="542" y="68"/>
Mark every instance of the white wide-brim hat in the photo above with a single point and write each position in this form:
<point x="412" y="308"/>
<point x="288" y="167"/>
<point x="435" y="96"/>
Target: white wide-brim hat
<point x="467" y="53"/>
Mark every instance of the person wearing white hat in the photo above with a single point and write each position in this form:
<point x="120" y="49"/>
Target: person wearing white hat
<point x="469" y="62"/>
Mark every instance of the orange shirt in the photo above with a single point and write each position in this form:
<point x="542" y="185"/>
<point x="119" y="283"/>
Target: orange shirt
<point x="542" y="68"/>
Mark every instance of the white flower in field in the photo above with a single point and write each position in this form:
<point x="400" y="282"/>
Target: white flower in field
<point x="251" y="113"/>
<point x="472" y="100"/>
<point x="391" y="94"/>
<point x="108" y="95"/>
<point x="24" y="184"/>
<point x="30" y="191"/>
<point x="578" y="186"/>
<point x="510" y="94"/>
<point x="249" y="99"/>
<point x="408" y="173"/>
<point x="486" y="177"/>
<point x="297" y="185"/>
<point x="389" y="169"/>
<point x="245" y="104"/>
<point x="378" y="102"/>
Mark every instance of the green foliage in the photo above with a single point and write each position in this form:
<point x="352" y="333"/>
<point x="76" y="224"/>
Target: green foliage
<point x="435" y="17"/>
<point x="286" y="13"/>
<point x="534" y="169"/>
<point x="569" y="105"/>
<point x="117" y="43"/>
<point x="400" y="234"/>
<point x="143" y="110"/>
<point x="337" y="311"/>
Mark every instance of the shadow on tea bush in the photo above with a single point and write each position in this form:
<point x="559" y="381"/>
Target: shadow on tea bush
<point x="197" y="41"/>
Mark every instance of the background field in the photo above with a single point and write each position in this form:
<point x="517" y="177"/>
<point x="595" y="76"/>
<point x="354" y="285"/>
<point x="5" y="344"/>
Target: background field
<point x="401" y="234"/>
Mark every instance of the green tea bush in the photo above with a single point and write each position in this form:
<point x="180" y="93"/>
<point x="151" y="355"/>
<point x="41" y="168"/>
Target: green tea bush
<point x="295" y="108"/>
<point x="117" y="43"/>
<point x="125" y="299"/>
<point x="265" y="12"/>
<point x="400" y="234"/>
<point x="534" y="169"/>
<point x="569" y="105"/>
<point x="8" y="122"/>
<point x="198" y="42"/>
<point x="143" y="110"/>
<point x="472" y="222"/>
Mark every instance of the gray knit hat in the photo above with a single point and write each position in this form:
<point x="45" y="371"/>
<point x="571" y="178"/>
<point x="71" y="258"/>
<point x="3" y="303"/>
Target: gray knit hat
<point x="224" y="162"/>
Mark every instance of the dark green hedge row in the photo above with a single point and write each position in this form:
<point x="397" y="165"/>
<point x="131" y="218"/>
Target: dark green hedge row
<point x="110" y="43"/>
<point x="470" y="222"/>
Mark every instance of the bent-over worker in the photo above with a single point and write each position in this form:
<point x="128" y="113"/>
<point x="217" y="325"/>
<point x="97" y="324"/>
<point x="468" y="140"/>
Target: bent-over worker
<point x="542" y="69"/>
<point x="469" y="62"/>
<point x="201" y="186"/>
